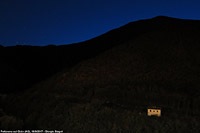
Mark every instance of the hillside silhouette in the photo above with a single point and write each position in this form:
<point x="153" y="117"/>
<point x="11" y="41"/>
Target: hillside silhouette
<point x="106" y="84"/>
<point x="34" y="63"/>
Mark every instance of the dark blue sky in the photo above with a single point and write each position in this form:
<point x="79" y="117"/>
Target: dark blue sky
<point x="43" y="22"/>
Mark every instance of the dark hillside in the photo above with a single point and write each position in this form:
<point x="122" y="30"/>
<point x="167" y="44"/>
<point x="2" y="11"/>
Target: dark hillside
<point x="153" y="62"/>
<point x="37" y="63"/>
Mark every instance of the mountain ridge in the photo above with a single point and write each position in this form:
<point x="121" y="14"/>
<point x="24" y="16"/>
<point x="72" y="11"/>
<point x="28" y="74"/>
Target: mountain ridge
<point x="22" y="58"/>
<point x="155" y="64"/>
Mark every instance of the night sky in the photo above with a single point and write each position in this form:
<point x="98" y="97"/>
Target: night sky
<point x="44" y="22"/>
